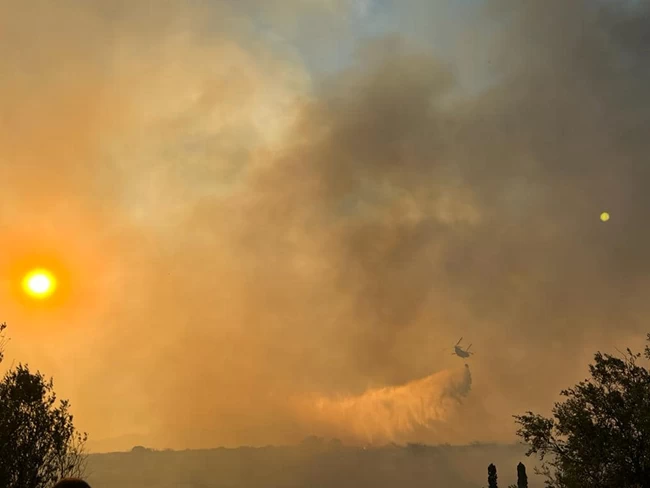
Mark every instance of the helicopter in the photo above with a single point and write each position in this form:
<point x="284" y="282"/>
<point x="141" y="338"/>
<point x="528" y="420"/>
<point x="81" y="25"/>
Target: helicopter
<point x="460" y="352"/>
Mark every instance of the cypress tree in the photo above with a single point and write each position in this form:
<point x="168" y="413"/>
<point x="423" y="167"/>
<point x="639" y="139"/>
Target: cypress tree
<point x="522" y="478"/>
<point x="492" y="476"/>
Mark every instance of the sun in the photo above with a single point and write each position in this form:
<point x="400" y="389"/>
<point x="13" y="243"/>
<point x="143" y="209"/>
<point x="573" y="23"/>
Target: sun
<point x="604" y="216"/>
<point x="39" y="283"/>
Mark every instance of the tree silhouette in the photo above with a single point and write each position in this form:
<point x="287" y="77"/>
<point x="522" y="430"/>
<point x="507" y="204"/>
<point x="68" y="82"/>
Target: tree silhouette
<point x="522" y="478"/>
<point x="38" y="442"/>
<point x="600" y="435"/>
<point x="492" y="476"/>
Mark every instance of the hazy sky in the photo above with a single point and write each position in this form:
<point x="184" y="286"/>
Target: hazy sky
<point x="273" y="218"/>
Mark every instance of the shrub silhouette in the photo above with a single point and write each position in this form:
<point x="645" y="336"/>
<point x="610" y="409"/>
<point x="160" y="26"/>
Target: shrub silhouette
<point x="38" y="442"/>
<point x="598" y="436"/>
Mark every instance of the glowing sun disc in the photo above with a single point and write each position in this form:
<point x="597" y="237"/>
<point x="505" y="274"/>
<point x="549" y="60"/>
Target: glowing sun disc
<point x="604" y="216"/>
<point x="39" y="283"/>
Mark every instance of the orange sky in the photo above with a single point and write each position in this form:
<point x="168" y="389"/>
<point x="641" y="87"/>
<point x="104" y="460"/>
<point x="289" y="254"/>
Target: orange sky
<point x="239" y="239"/>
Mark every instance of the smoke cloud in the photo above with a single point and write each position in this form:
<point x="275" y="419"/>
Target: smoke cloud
<point x="236" y="229"/>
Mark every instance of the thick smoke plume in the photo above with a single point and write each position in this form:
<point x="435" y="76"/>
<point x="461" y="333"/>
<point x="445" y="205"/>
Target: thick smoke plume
<point x="251" y="202"/>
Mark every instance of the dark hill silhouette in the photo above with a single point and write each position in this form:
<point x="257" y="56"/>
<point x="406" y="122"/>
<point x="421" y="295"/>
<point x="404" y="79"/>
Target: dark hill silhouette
<point x="312" y="464"/>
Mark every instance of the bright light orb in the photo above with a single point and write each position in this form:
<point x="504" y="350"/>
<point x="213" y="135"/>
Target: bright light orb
<point x="604" y="216"/>
<point x="39" y="283"/>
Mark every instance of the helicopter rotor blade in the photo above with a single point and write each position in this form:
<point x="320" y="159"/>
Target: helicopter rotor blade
<point x="459" y="341"/>
<point x="468" y="347"/>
